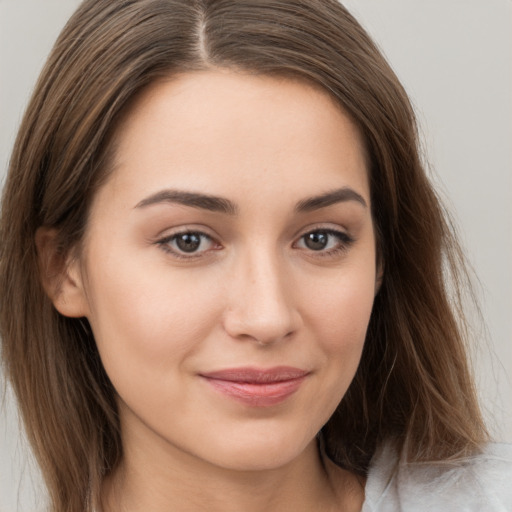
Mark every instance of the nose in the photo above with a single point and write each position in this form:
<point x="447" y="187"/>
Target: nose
<point x="261" y="305"/>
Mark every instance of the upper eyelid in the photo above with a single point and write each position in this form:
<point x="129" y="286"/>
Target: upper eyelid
<point x="334" y="232"/>
<point x="330" y="227"/>
<point x="168" y="238"/>
<point x="169" y="233"/>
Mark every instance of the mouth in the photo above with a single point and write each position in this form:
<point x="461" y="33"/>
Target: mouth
<point x="257" y="387"/>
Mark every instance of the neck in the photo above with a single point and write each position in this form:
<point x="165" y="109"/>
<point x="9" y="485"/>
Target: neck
<point x="162" y="480"/>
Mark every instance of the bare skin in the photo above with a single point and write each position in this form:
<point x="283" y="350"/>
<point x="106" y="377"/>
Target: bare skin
<point x="311" y="484"/>
<point x="235" y="231"/>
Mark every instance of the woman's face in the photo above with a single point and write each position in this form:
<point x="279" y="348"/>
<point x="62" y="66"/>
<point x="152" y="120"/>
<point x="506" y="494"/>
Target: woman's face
<point x="228" y="270"/>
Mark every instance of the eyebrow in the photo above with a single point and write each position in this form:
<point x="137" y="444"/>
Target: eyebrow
<point x="223" y="205"/>
<point x="192" y="199"/>
<point x="339" y="195"/>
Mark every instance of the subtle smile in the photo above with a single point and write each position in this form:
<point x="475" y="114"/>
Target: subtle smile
<point x="257" y="387"/>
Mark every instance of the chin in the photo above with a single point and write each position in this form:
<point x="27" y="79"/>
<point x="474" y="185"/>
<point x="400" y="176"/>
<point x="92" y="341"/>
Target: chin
<point x="261" y="451"/>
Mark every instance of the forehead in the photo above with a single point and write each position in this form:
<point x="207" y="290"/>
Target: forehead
<point x="230" y="131"/>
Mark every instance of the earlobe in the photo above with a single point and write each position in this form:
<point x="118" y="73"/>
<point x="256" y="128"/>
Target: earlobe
<point x="60" y="275"/>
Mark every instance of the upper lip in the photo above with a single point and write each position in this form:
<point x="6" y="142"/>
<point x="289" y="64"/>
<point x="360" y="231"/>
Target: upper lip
<point x="254" y="375"/>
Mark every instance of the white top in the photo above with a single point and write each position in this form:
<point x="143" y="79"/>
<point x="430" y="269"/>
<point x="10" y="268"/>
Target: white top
<point x="479" y="484"/>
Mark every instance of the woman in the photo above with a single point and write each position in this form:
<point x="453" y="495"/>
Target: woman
<point x="183" y="334"/>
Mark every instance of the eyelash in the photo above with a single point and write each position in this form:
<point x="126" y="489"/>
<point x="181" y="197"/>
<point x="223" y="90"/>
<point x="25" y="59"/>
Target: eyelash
<point x="164" y="243"/>
<point x="344" y="242"/>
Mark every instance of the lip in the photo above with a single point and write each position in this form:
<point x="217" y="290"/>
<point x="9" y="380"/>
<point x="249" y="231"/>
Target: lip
<point x="257" y="387"/>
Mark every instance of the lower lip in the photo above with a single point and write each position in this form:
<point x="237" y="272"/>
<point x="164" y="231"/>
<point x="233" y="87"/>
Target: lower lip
<point x="257" y="395"/>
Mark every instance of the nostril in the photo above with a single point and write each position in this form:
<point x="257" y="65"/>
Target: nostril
<point x="270" y="341"/>
<point x="263" y="329"/>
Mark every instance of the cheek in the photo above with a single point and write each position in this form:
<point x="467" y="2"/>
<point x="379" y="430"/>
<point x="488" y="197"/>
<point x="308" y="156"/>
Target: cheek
<point x="340" y="310"/>
<point x="155" y="316"/>
<point x="338" y="316"/>
<point x="336" y="313"/>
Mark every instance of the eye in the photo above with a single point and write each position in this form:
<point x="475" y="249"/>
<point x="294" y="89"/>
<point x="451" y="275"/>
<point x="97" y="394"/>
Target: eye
<point x="324" y="240"/>
<point x="187" y="243"/>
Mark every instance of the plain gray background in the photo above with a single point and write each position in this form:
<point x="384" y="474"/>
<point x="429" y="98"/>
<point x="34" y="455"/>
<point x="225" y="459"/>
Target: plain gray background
<point x="455" y="60"/>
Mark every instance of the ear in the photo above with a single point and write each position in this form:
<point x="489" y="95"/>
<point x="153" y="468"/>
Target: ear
<point x="60" y="275"/>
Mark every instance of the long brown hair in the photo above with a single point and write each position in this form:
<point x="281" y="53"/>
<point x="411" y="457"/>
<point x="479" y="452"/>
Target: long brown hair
<point x="413" y="385"/>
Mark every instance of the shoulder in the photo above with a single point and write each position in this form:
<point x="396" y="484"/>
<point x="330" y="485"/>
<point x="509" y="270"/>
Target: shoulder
<point x="481" y="482"/>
